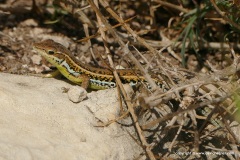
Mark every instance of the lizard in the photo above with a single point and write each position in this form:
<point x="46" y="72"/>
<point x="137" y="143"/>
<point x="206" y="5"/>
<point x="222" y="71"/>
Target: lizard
<point x="84" y="74"/>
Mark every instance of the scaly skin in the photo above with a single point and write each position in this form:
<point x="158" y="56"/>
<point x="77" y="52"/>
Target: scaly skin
<point x="80" y="73"/>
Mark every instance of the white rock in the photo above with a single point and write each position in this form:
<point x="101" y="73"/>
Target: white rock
<point x="39" y="122"/>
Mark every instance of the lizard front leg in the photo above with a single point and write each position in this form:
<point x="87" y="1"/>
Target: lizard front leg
<point x="85" y="81"/>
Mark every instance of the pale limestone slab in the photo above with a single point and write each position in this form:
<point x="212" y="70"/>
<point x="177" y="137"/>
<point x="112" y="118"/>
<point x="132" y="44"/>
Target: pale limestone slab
<point x="38" y="121"/>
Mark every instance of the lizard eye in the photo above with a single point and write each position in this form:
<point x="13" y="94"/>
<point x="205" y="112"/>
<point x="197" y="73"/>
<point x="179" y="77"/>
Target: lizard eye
<point x="50" y="52"/>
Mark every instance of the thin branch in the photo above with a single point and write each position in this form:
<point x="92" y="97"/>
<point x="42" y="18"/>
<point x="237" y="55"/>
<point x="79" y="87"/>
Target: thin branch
<point x="224" y="16"/>
<point x="172" y="6"/>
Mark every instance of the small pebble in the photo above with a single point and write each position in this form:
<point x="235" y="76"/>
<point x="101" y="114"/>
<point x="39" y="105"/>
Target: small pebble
<point x="77" y="94"/>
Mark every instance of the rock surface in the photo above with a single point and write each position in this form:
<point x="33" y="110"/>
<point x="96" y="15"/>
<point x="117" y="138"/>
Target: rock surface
<point x="38" y="121"/>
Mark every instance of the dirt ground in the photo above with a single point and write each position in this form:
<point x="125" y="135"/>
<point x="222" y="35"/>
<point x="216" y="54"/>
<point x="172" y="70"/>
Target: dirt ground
<point x="22" y="25"/>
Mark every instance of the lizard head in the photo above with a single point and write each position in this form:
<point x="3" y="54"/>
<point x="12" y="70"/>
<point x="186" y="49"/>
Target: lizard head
<point x="53" y="52"/>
